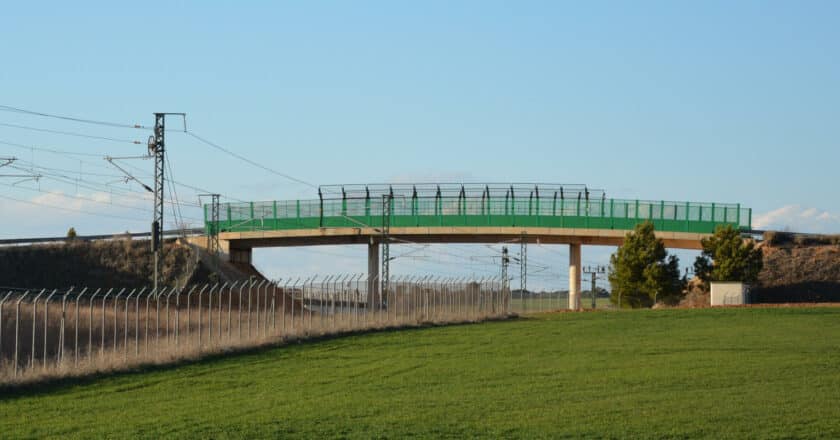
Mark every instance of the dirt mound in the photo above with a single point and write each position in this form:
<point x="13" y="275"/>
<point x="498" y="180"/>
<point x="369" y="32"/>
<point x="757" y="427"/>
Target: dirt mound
<point x="798" y="270"/>
<point x="120" y="262"/>
<point x="695" y="295"/>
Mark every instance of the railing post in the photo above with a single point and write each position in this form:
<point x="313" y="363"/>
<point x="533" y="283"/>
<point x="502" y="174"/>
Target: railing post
<point x="713" y="213"/>
<point x="662" y="213"/>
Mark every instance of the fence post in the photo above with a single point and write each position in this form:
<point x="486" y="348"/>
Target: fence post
<point x="61" y="329"/>
<point x="2" y="301"/>
<point x="200" y="294"/>
<point x="239" y="309"/>
<point x="171" y="291"/>
<point x="17" y="324"/>
<point x="146" y="322"/>
<point x="210" y="313"/>
<point x="116" y="302"/>
<point x="46" y="323"/>
<point x="125" y="325"/>
<point x="137" y="322"/>
<point x="230" y="307"/>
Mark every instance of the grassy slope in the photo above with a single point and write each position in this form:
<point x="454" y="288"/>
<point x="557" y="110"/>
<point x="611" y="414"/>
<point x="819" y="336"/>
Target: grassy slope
<point x="682" y="373"/>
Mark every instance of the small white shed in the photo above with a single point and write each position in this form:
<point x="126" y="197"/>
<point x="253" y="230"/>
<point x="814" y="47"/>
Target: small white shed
<point x="726" y="293"/>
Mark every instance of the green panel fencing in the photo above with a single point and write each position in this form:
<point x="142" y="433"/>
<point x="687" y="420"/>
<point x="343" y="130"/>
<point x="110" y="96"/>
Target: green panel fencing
<point x="619" y="214"/>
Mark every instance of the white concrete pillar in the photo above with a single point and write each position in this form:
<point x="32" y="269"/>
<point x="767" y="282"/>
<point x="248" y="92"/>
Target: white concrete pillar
<point x="373" y="273"/>
<point x="574" y="276"/>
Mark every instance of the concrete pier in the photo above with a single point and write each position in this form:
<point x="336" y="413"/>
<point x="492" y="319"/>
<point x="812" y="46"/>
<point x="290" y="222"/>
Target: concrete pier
<point x="574" y="276"/>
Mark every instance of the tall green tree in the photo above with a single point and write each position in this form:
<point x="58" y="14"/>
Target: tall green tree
<point x="642" y="272"/>
<point x="728" y="257"/>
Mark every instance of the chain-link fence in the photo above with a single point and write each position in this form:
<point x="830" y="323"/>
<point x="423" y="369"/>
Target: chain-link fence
<point x="74" y="331"/>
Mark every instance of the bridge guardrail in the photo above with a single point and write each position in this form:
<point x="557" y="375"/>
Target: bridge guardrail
<point x="621" y="214"/>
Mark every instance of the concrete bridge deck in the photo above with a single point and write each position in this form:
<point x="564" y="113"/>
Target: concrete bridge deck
<point x="446" y="234"/>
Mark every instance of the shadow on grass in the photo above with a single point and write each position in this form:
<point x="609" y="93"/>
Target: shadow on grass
<point x="51" y="385"/>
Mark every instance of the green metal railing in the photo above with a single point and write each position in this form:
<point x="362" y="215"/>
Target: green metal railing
<point x="619" y="214"/>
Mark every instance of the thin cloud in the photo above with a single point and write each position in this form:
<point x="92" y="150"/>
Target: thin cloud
<point x="798" y="219"/>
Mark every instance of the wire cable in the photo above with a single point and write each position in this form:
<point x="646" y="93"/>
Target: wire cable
<point x="9" y="108"/>
<point x="69" y="133"/>
<point x="249" y="161"/>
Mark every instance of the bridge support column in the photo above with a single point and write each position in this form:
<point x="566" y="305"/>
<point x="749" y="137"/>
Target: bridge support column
<point x="241" y="255"/>
<point x="373" y="274"/>
<point x="574" y="276"/>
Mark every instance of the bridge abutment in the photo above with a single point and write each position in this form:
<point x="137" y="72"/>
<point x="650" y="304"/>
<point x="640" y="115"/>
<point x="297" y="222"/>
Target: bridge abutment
<point x="574" y="276"/>
<point x="241" y="255"/>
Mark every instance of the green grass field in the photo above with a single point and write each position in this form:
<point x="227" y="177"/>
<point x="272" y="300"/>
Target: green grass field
<point x="543" y="304"/>
<point x="713" y="373"/>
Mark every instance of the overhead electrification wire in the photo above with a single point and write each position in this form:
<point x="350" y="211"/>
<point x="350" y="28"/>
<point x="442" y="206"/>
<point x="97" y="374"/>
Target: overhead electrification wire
<point x="249" y="161"/>
<point x="69" y="133"/>
<point x="9" y="108"/>
<point x="86" y="199"/>
<point x="194" y="188"/>
<point x="50" y="150"/>
<point x="104" y="188"/>
<point x="173" y="195"/>
<point x="63" y="208"/>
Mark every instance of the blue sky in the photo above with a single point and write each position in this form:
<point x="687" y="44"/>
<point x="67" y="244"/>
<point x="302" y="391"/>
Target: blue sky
<point x="705" y="101"/>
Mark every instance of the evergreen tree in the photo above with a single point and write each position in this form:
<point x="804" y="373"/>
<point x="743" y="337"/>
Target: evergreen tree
<point x="642" y="272"/>
<point x="727" y="257"/>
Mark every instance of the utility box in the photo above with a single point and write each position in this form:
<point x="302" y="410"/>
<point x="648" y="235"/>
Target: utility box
<point x="726" y="293"/>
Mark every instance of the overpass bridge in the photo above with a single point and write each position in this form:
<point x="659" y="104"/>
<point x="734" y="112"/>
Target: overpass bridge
<point x="572" y="215"/>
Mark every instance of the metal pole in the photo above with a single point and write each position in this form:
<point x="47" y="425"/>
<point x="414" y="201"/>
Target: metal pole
<point x="156" y="147"/>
